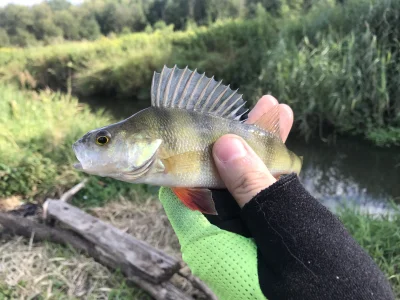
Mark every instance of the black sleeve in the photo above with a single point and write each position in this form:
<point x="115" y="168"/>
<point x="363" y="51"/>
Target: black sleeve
<point x="304" y="251"/>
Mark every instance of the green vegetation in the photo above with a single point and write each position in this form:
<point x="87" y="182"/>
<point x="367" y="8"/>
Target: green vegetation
<point x="50" y="271"/>
<point x="54" y="21"/>
<point x="380" y="237"/>
<point x="337" y="66"/>
<point x="38" y="130"/>
<point x="36" y="162"/>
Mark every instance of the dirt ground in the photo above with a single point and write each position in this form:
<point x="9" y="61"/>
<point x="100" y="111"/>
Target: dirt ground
<point x="47" y="271"/>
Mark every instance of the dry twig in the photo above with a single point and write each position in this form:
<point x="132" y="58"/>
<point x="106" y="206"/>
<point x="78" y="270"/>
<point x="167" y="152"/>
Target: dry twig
<point x="71" y="192"/>
<point x="147" y="267"/>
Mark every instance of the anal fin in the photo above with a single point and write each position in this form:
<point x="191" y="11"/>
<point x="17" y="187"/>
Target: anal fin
<point x="196" y="199"/>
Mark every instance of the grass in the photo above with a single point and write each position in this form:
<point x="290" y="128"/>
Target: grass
<point x="36" y="159"/>
<point x="338" y="67"/>
<point x="50" y="271"/>
<point x="380" y="237"/>
<point x="36" y="162"/>
<point x="47" y="270"/>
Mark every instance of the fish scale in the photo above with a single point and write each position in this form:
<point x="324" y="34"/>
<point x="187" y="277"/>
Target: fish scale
<point x="170" y="143"/>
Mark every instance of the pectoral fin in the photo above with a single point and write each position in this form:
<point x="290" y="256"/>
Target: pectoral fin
<point x="196" y="199"/>
<point x="144" y="150"/>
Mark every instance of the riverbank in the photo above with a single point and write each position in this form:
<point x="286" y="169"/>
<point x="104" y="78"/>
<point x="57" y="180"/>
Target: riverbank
<point x="36" y="159"/>
<point x="56" y="272"/>
<point x="338" y="72"/>
<point x="337" y="67"/>
<point x="36" y="155"/>
<point x="36" y="163"/>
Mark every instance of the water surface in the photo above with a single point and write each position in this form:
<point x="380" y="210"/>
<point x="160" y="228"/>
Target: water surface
<point x="351" y="171"/>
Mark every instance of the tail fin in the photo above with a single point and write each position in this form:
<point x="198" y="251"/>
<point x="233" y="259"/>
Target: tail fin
<point x="298" y="164"/>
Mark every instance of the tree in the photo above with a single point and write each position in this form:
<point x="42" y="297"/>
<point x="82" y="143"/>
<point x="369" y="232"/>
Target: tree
<point x="89" y="28"/>
<point x="201" y="10"/>
<point x="68" y="24"/>
<point x="23" y="38"/>
<point x="156" y="11"/>
<point x="139" y="20"/>
<point x="4" y="39"/>
<point x="43" y="26"/>
<point x="56" y="5"/>
<point x="208" y="11"/>
<point x="54" y="19"/>
<point x="177" y="13"/>
<point x="14" y="17"/>
<point x="272" y="6"/>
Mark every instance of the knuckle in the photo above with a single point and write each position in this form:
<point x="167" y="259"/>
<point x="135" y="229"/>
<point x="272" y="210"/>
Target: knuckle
<point x="249" y="184"/>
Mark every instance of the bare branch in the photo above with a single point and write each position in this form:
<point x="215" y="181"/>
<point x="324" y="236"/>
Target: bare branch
<point x="71" y="192"/>
<point x="40" y="232"/>
<point x="196" y="282"/>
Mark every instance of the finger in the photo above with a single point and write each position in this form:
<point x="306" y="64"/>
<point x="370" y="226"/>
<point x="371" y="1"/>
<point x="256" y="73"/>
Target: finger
<point x="266" y="103"/>
<point x="285" y="120"/>
<point x="262" y="106"/>
<point x="242" y="171"/>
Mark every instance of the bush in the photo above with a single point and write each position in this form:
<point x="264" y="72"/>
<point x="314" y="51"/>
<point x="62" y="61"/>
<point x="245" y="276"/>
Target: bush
<point x="38" y="130"/>
<point x="380" y="237"/>
<point x="338" y="66"/>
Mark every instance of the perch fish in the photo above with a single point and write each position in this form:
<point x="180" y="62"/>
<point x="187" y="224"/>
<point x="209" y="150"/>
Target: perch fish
<point x="170" y="142"/>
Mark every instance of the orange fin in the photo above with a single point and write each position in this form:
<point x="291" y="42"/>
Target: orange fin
<point x="196" y="199"/>
<point x="270" y="121"/>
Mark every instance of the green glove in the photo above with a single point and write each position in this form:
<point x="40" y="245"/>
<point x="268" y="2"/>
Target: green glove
<point x="225" y="261"/>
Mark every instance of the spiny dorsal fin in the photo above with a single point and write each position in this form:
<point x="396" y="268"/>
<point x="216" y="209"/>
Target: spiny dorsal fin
<point x="186" y="89"/>
<point x="270" y="121"/>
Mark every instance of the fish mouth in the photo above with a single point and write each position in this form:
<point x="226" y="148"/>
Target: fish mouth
<point x="78" y="166"/>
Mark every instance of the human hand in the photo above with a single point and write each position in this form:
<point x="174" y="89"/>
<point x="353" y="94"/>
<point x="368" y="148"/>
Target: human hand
<point x="242" y="171"/>
<point x="227" y="262"/>
<point x="245" y="176"/>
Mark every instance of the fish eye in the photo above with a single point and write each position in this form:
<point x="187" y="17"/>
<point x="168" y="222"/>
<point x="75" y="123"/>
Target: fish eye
<point x="102" y="138"/>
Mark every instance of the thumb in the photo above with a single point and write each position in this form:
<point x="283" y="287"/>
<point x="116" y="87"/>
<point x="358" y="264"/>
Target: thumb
<point x="242" y="171"/>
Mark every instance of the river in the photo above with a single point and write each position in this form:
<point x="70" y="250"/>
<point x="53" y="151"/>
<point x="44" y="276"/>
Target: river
<point x="351" y="171"/>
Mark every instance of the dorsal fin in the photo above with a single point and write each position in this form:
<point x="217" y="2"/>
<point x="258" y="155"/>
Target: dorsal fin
<point x="186" y="89"/>
<point x="270" y="121"/>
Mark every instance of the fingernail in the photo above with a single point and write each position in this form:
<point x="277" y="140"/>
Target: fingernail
<point x="229" y="149"/>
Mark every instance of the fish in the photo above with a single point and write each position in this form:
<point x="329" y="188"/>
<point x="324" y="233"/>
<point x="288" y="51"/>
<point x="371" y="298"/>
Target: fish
<point x="170" y="142"/>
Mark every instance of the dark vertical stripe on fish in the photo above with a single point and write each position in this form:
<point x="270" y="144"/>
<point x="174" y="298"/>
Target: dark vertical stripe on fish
<point x="167" y="117"/>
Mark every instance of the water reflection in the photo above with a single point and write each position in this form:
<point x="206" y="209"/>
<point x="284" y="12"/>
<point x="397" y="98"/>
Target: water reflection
<point x="350" y="171"/>
<point x="119" y="108"/>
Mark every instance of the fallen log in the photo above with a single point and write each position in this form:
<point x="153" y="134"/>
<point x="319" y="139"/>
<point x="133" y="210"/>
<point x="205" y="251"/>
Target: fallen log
<point x="133" y="256"/>
<point x="143" y="265"/>
<point x="39" y="232"/>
